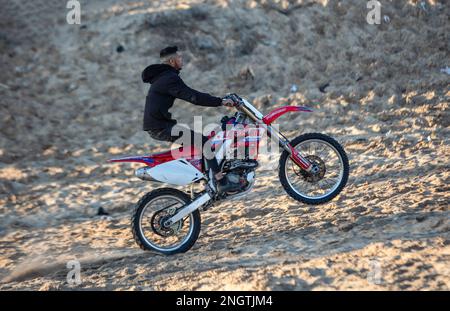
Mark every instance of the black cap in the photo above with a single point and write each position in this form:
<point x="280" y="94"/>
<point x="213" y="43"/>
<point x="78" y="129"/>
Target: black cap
<point x="168" y="51"/>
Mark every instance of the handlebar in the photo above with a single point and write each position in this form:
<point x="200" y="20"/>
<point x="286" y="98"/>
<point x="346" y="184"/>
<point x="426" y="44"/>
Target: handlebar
<point x="235" y="98"/>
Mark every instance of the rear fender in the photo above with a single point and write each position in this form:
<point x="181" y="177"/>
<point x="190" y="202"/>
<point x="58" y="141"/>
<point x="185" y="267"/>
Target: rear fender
<point x="149" y="161"/>
<point x="189" y="153"/>
<point x="178" y="172"/>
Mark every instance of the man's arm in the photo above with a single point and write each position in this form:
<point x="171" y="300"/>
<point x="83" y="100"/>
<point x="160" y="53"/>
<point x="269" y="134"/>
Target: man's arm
<point x="177" y="88"/>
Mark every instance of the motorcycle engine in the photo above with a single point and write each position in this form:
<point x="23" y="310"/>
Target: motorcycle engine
<point x="240" y="171"/>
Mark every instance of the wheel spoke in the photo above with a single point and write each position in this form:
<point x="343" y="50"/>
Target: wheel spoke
<point x="328" y="159"/>
<point x="328" y="181"/>
<point x="168" y="206"/>
<point x="316" y="151"/>
<point x="324" y="154"/>
<point x="154" y="213"/>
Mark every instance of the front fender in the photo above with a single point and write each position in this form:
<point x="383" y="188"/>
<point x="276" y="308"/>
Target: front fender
<point x="275" y="114"/>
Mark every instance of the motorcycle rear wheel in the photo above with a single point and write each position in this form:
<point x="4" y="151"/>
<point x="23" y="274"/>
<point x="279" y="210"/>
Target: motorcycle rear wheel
<point x="149" y="215"/>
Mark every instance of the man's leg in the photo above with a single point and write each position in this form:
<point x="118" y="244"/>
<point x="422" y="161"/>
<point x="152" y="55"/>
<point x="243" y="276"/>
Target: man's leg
<point x="161" y="134"/>
<point x="222" y="184"/>
<point x="211" y="162"/>
<point x="194" y="138"/>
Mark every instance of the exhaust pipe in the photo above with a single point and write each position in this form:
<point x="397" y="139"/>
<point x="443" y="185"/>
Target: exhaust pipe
<point x="143" y="173"/>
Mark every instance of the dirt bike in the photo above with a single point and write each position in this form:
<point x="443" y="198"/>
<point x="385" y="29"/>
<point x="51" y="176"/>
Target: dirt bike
<point x="313" y="169"/>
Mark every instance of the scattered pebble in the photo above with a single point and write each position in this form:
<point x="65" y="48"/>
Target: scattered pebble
<point x="323" y="87"/>
<point x="101" y="211"/>
<point x="120" y="49"/>
<point x="446" y="70"/>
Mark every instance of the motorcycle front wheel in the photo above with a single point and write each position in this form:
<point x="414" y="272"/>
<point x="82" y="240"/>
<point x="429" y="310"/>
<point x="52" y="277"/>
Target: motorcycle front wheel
<point x="152" y="210"/>
<point x="322" y="186"/>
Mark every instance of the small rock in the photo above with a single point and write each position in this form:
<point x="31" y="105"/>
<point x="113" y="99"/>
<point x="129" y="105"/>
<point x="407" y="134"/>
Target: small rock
<point x="268" y="43"/>
<point x="362" y="140"/>
<point x="199" y="12"/>
<point x="323" y="87"/>
<point x="19" y="69"/>
<point x="11" y="187"/>
<point x="294" y="88"/>
<point x="17" y="186"/>
<point x="421" y="218"/>
<point x="376" y="128"/>
<point x="263" y="101"/>
<point x="205" y="43"/>
<point x="120" y="49"/>
<point x="446" y="70"/>
<point x="347" y="227"/>
<point x="72" y="87"/>
<point x="350" y="271"/>
<point x="246" y="73"/>
<point x="101" y="212"/>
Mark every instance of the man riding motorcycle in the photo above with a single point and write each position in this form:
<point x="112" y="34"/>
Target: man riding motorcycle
<point x="166" y="86"/>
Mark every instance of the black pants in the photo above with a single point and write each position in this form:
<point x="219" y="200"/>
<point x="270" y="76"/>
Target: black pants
<point x="166" y="135"/>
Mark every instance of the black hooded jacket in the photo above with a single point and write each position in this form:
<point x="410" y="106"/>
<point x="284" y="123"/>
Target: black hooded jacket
<point x="166" y="85"/>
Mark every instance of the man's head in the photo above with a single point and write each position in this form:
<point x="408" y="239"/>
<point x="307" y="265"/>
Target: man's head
<point x="172" y="57"/>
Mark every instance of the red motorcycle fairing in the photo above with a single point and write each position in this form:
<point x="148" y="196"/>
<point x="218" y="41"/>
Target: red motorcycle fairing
<point x="191" y="154"/>
<point x="275" y="114"/>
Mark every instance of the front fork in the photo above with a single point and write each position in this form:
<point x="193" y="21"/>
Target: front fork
<point x="284" y="143"/>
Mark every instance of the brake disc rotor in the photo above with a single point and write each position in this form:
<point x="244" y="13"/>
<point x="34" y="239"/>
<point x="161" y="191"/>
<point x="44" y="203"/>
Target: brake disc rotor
<point x="312" y="177"/>
<point x="157" y="223"/>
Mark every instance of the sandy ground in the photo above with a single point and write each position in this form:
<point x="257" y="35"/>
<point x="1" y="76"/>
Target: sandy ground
<point x="70" y="101"/>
